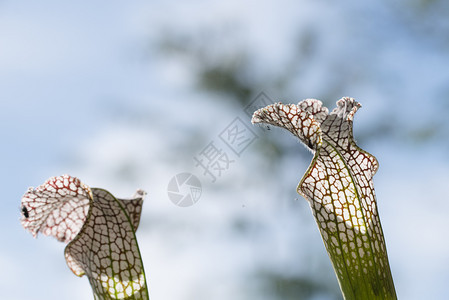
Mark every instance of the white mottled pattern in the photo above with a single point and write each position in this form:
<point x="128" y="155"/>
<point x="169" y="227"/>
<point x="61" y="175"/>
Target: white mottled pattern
<point x="99" y="230"/>
<point x="338" y="185"/>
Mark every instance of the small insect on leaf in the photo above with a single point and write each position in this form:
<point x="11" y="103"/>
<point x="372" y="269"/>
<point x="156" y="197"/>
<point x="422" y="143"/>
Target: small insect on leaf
<point x="25" y="212"/>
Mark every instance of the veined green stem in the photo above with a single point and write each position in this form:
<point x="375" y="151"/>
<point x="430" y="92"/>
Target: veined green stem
<point x="352" y="235"/>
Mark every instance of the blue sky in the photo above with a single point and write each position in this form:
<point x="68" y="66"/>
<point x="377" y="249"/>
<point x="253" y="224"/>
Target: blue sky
<point x="83" y="91"/>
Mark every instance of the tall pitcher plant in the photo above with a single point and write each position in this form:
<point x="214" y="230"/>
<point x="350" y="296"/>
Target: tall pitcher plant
<point x="339" y="188"/>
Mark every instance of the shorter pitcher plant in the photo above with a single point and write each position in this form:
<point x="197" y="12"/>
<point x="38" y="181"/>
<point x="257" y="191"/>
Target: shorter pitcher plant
<point x="99" y="230"/>
<point x="339" y="188"/>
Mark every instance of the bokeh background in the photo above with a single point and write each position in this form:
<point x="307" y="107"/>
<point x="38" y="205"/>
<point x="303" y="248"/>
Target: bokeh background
<point x="125" y="95"/>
